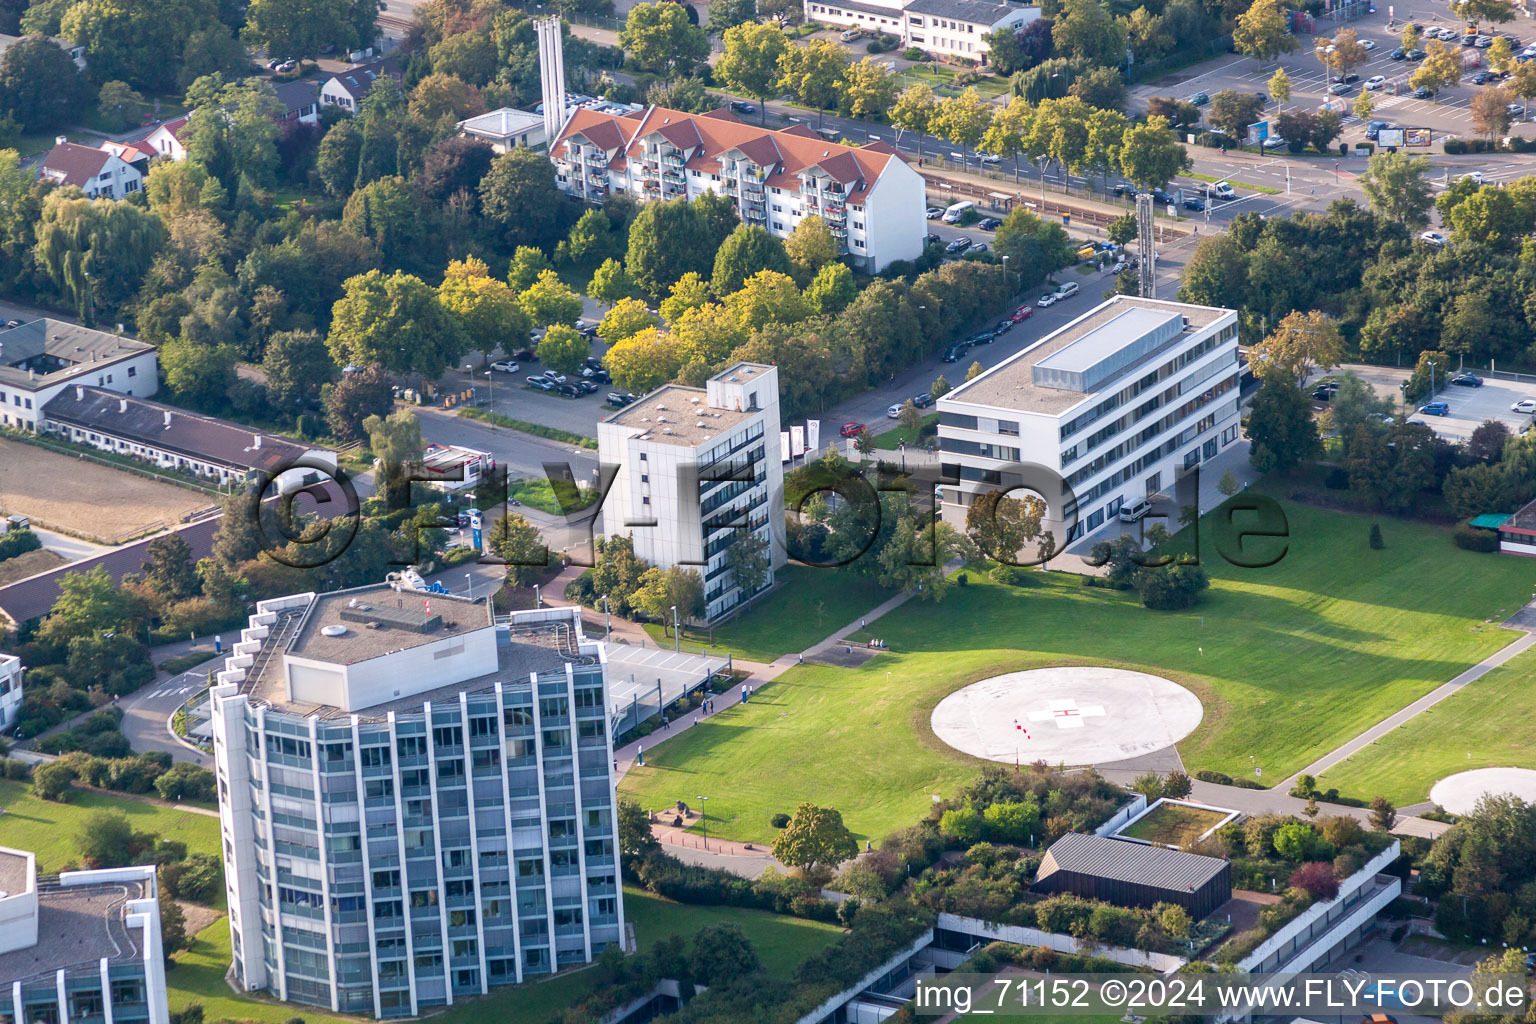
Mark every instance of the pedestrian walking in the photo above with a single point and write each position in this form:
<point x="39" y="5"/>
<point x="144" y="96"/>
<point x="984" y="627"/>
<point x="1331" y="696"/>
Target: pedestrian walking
<point x="695" y="719"/>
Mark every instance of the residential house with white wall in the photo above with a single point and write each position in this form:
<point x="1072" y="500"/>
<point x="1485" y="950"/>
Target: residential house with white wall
<point x="506" y="128"/>
<point x="871" y="199"/>
<point x="347" y="89"/>
<point x="99" y="173"/>
<point x="945" y="28"/>
<point x="42" y="357"/>
<point x="10" y="690"/>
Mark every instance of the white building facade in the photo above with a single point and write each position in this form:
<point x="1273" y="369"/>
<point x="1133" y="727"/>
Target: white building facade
<point x="416" y="802"/>
<point x="945" y="28"/>
<point x="1113" y="407"/>
<point x="10" y="690"/>
<point x="697" y="470"/>
<point x="41" y="358"/>
<point x="871" y="199"/>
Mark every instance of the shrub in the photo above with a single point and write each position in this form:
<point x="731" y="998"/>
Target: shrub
<point x="1011" y="822"/>
<point x="961" y="826"/>
<point x="1220" y="778"/>
<point x="185" y="782"/>
<point x="51" y="781"/>
<point x="18" y="542"/>
<point x="914" y="53"/>
<point x="1316" y="878"/>
<point x="1295" y="841"/>
<point x="779" y="820"/>
<point x="1336" y="479"/>
<point x="1454" y="147"/>
<point x="1010" y="575"/>
<point x="1376" y="542"/>
<point x="1366" y="148"/>
<point x="1472" y="538"/>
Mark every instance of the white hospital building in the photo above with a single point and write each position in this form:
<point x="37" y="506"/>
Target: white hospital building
<point x="698" y="468"/>
<point x="946" y="28"/>
<point x="1113" y="407"/>
<point x="872" y="201"/>
<point x="415" y="800"/>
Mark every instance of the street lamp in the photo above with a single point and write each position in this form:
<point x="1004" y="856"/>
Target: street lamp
<point x="1005" y="271"/>
<point x="677" y="637"/>
<point x="537" y="601"/>
<point x="704" y="819"/>
<point x="469" y="584"/>
<point x="607" y="622"/>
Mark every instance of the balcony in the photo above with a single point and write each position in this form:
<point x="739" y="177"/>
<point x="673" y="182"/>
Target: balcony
<point x="673" y="160"/>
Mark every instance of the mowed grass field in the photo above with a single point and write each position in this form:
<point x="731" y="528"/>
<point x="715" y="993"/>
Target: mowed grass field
<point x="782" y="942"/>
<point x="48" y="829"/>
<point x="1482" y="725"/>
<point x="1289" y="661"/>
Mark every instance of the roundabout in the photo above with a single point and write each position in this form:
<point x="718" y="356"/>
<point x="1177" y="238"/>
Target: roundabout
<point x="1460" y="793"/>
<point x="1072" y="715"/>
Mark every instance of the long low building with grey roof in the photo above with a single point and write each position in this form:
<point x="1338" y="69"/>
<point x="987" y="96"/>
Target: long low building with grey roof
<point x="40" y="358"/>
<point x="1132" y="874"/>
<point x="416" y="800"/>
<point x="1109" y="410"/>
<point x="80" y="946"/>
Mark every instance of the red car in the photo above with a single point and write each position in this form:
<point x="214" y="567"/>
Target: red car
<point x="1022" y="313"/>
<point x="852" y="429"/>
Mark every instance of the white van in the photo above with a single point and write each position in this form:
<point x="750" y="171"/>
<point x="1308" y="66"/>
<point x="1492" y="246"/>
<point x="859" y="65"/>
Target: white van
<point x="1066" y="291"/>
<point x="954" y="213"/>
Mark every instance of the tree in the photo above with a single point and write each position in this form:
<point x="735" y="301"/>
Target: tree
<point x="1522" y="82"/>
<point x="722" y="954"/>
<point x="868" y="89"/>
<point x="1152" y="155"/>
<point x="106" y="840"/>
<point x="173" y="926"/>
<point x="662" y="590"/>
<point x="1364" y="106"/>
<point x="814" y="836"/>
<point x="611" y="282"/>
<point x="548" y="302"/>
<point x="810" y="246"/>
<point x="1171" y="587"/>
<point x="1315" y="877"/>
<point x="440" y="100"/>
<point x="725" y="15"/>
<point x="627" y="318"/>
<point x="666" y="241"/>
<point x="659" y="37"/>
<point x="336" y="159"/>
<point x="528" y="262"/>
<point x="1003" y="50"/>
<point x="1490" y="111"/>
<point x="831" y="290"/>
<point x="299" y="28"/>
<point x="168" y="568"/>
<point x="1479" y="11"/>
<point x="962" y="120"/>
<point x="1488" y="440"/>
<point x="1280" y="428"/>
<point x="355" y="397"/>
<point x="395" y="320"/>
<point x="396" y="441"/>
<point x="750" y="63"/>
<point x="1106" y="136"/>
<point x="635" y="838"/>
<point x="119" y="105"/>
<point x="643" y="362"/>
<point x="1122" y="230"/>
<point x="940" y="388"/>
<point x="1000" y="525"/>
<point x="564" y="349"/>
<point x="232" y="130"/>
<point x="516" y="541"/>
<point x="764" y="298"/>
<point x="95" y="253"/>
<point x="1087" y="31"/>
<point x="747" y="252"/>
<point x="1262" y="31"/>
<point x="518" y="194"/>
<point x="590" y="239"/>
<point x="1233" y="111"/>
<point x="1343" y="53"/>
<point x="690" y="292"/>
<point x="1299" y="344"/>
<point x="1441" y="68"/>
<point x="486" y="310"/>
<point x="1174" y="921"/>
<point x="1383" y="814"/>
<point x="200" y="374"/>
<point x="51" y="781"/>
<point x="1228" y="485"/>
<point x="914" y="111"/>
<point x="1280" y="87"/>
<point x="452" y="170"/>
<point x="811" y="73"/>
<point x="750" y="559"/>
<point x="914" y="557"/>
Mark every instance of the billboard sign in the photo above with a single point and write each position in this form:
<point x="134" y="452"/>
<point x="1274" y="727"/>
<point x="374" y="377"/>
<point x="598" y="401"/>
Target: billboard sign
<point x="1417" y="136"/>
<point x="1389" y="138"/>
<point x="1258" y="132"/>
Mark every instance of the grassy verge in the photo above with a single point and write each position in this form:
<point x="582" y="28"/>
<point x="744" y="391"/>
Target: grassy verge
<point x="536" y="429"/>
<point x="540" y="494"/>
<point x="987" y="87"/>
<point x="1470" y="729"/>
<point x="1266" y="189"/>
<point x="782" y="942"/>
<point x="901" y="435"/>
<point x="179" y="664"/>
<point x="48" y="829"/>
<point x="810" y="605"/>
<point x="1289" y="660"/>
<point x="1174" y="825"/>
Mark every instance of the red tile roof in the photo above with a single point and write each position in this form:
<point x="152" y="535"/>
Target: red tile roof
<point x="77" y="164"/>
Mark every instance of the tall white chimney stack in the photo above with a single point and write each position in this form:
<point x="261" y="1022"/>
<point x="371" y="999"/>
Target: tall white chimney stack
<point x="552" y="77"/>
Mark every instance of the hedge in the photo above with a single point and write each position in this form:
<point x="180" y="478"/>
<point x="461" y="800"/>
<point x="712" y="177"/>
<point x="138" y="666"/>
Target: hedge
<point x="1474" y="538"/>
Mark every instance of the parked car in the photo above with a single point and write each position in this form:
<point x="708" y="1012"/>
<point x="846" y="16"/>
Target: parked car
<point x="1367" y="45"/>
<point x="1199" y="99"/>
<point x="589" y="387"/>
<point x="568" y="391"/>
<point x="980" y="338"/>
<point x="1399" y="54"/>
<point x="1415" y="54"/>
<point x="743" y="107"/>
<point x="1194" y="203"/>
<point x="523" y="355"/>
<point x="586" y="328"/>
<point x="1376" y="82"/>
<point x="1133" y="511"/>
<point x="1003" y="326"/>
<point x="989" y="159"/>
<point x="1048" y="299"/>
<point x="1423" y="92"/>
<point x="923" y="400"/>
<point x="286" y="66"/>
<point x="1159" y="196"/>
<point x="1373" y="130"/>
<point x="955" y="351"/>
<point x="977" y="247"/>
<point x="1273" y="142"/>
<point x="558" y="378"/>
<point x="1524" y="405"/>
<point x="1467" y="380"/>
<point x="12" y="323"/>
<point x="1022" y="313"/>
<point x="852" y="429"/>
<point x="1435" y="409"/>
<point x="1340" y="89"/>
<point x="1325" y="390"/>
<point x="541" y="384"/>
<point x="1434" y="238"/>
<point x="959" y="245"/>
<point x="935" y="212"/>
<point x="1476" y="177"/>
<point x="931" y="239"/>
<point x="893" y="411"/>
<point x="1124" y="188"/>
<point x="465" y="515"/>
<point x="1346" y="78"/>
<point x="506" y="366"/>
<point x="1067" y="290"/>
<point x="1480" y="78"/>
<point x="989" y="224"/>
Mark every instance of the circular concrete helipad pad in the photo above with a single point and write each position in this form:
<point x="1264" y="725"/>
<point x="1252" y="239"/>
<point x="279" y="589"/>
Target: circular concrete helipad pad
<point x="1460" y="793"/>
<point x="1073" y="715"/>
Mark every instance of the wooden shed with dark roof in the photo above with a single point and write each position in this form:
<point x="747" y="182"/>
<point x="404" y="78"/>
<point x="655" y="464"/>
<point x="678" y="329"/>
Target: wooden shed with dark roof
<point x="1132" y="874"/>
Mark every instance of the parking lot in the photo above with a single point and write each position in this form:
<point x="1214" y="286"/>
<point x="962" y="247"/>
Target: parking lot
<point x="1470" y="406"/>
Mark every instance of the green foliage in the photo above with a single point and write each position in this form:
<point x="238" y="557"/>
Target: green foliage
<point x="666" y="241"/>
<point x="397" y="321"/>
<point x="747" y="252"/>
<point x="51" y="781"/>
<point x="39" y="84"/>
<point x="18" y="541"/>
<point x="961" y="826"/>
<point x="1281" y="429"/>
<point x="814" y="836"/>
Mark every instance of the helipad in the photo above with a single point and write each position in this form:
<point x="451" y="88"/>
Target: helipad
<point x="1460" y="793"/>
<point x="1073" y="715"/>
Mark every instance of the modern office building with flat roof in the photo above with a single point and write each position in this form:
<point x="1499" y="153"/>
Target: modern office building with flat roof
<point x="416" y="801"/>
<point x="82" y="947"/>
<point x="1111" y="408"/>
<point x="698" y="469"/>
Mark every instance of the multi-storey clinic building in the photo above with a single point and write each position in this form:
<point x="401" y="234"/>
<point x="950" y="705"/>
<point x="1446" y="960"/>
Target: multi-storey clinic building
<point x="416" y="803"/>
<point x="698" y="469"/>
<point x="83" y="947"/>
<point x="1113" y="407"/>
<point x="871" y="199"/>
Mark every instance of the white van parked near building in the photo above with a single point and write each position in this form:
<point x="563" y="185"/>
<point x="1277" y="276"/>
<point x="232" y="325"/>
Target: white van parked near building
<point x="955" y="212"/>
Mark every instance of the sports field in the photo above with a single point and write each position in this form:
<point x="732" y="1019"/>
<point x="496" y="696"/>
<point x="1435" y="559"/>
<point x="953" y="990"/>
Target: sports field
<point x="1479" y="726"/>
<point x="1289" y="660"/>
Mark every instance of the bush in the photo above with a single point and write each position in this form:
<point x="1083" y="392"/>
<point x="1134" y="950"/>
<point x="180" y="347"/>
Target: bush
<point x="1316" y="878"/>
<point x="1220" y="778"/>
<point x="915" y="53"/>
<point x="1343" y="149"/>
<point x="961" y="827"/>
<point x="1455" y="147"/>
<point x="18" y="542"/>
<point x="1473" y="538"/>
<point x="185" y="782"/>
<point x="779" y="820"/>
<point x="1010" y="575"/>
<point x="1366" y="148"/>
<point x="51" y="781"/>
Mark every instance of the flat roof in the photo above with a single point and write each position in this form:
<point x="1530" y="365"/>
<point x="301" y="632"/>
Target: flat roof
<point x="15" y="875"/>
<point x="77" y="925"/>
<point x="674" y="414"/>
<point x="378" y="620"/>
<point x="1126" y="861"/>
<point x="1011" y="383"/>
<point x="1106" y="339"/>
<point x="55" y="350"/>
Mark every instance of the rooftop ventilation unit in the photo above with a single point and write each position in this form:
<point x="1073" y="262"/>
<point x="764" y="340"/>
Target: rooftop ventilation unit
<point x="333" y="631"/>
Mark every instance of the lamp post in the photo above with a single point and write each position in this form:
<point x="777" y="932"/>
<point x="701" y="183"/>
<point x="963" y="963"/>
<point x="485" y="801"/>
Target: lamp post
<point x="469" y="585"/>
<point x="537" y="600"/>
<point x="607" y="622"/>
<point x="677" y="636"/>
<point x="704" y="819"/>
<point x="1005" y="271"/>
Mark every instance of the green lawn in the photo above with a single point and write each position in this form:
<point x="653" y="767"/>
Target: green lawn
<point x="782" y="942"/>
<point x="1174" y="825"/>
<point x="1290" y="661"/>
<point x="812" y="604"/>
<point x="540" y="494"/>
<point x="901" y="435"/>
<point x="942" y="80"/>
<point x="48" y="829"/>
<point x="1470" y="729"/>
